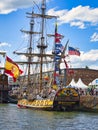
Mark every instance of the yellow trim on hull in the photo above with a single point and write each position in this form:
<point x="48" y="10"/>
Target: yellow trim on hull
<point x="44" y="103"/>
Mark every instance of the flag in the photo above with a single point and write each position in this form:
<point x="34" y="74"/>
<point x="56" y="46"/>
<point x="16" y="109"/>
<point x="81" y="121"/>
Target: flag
<point x="73" y="51"/>
<point x="12" y="69"/>
<point x="58" y="36"/>
<point x="57" y="57"/>
<point x="59" y="46"/>
<point x="56" y="74"/>
<point x="57" y="51"/>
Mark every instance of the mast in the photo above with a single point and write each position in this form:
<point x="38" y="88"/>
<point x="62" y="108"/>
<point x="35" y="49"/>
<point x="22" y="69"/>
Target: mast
<point x="41" y="45"/>
<point x="30" y="48"/>
<point x="28" y="54"/>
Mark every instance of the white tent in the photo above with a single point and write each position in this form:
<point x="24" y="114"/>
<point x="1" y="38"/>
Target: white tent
<point x="80" y="84"/>
<point x="94" y="82"/>
<point x="72" y="83"/>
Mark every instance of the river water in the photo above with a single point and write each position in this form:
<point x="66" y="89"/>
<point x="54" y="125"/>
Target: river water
<point x="13" y="118"/>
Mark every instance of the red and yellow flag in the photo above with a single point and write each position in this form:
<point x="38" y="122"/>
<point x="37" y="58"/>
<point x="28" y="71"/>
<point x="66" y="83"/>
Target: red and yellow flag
<point x="12" y="69"/>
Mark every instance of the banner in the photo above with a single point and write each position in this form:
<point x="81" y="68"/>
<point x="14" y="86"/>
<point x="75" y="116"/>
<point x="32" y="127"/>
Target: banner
<point x="12" y="69"/>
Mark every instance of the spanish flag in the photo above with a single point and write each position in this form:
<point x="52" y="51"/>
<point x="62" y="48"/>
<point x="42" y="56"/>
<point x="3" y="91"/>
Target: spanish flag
<point x="12" y="68"/>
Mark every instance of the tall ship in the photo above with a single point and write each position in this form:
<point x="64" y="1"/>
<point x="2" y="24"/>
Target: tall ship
<point x="43" y="85"/>
<point x="38" y="89"/>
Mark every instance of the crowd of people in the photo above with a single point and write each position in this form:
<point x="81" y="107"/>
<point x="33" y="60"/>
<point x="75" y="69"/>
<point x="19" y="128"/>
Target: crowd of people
<point x="51" y="92"/>
<point x="88" y="91"/>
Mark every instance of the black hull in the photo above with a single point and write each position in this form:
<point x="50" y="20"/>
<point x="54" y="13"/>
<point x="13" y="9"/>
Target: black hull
<point x="66" y="99"/>
<point x="3" y="96"/>
<point x="13" y="100"/>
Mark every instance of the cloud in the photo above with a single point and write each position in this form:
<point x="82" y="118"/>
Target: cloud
<point x="94" y="37"/>
<point x="7" y="6"/>
<point x="79" y="16"/>
<point x="89" y="59"/>
<point x="3" y="44"/>
<point x="79" y="24"/>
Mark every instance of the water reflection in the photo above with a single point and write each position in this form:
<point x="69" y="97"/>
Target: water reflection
<point x="12" y="118"/>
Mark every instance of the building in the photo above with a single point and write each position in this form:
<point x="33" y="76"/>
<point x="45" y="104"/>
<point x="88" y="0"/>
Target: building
<point x="86" y="75"/>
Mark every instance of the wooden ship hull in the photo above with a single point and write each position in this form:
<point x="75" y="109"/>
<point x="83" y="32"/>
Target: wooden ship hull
<point x="51" y="105"/>
<point x="64" y="99"/>
<point x="43" y="104"/>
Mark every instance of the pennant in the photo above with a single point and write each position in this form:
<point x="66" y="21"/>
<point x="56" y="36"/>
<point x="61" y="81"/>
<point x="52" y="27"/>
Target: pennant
<point x="58" y="36"/>
<point x="57" y="68"/>
<point x="57" y="57"/>
<point x="58" y="46"/>
<point x="57" y="51"/>
<point x="73" y="51"/>
<point x="12" y="69"/>
<point x="56" y="74"/>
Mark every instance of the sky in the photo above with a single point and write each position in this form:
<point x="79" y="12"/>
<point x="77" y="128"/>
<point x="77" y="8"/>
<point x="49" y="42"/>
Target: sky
<point x="77" y="21"/>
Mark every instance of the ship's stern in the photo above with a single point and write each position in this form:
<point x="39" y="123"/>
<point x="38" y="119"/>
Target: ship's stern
<point x="66" y="99"/>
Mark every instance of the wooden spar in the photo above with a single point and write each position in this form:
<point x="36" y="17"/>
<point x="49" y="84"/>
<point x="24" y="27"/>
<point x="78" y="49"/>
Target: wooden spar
<point x="34" y="54"/>
<point x="3" y="53"/>
<point x="41" y="15"/>
<point x="41" y="45"/>
<point x="30" y="48"/>
<point x="26" y="62"/>
<point x="42" y="42"/>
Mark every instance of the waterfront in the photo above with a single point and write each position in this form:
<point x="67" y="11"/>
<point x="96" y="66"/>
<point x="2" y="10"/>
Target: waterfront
<point x="13" y="118"/>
